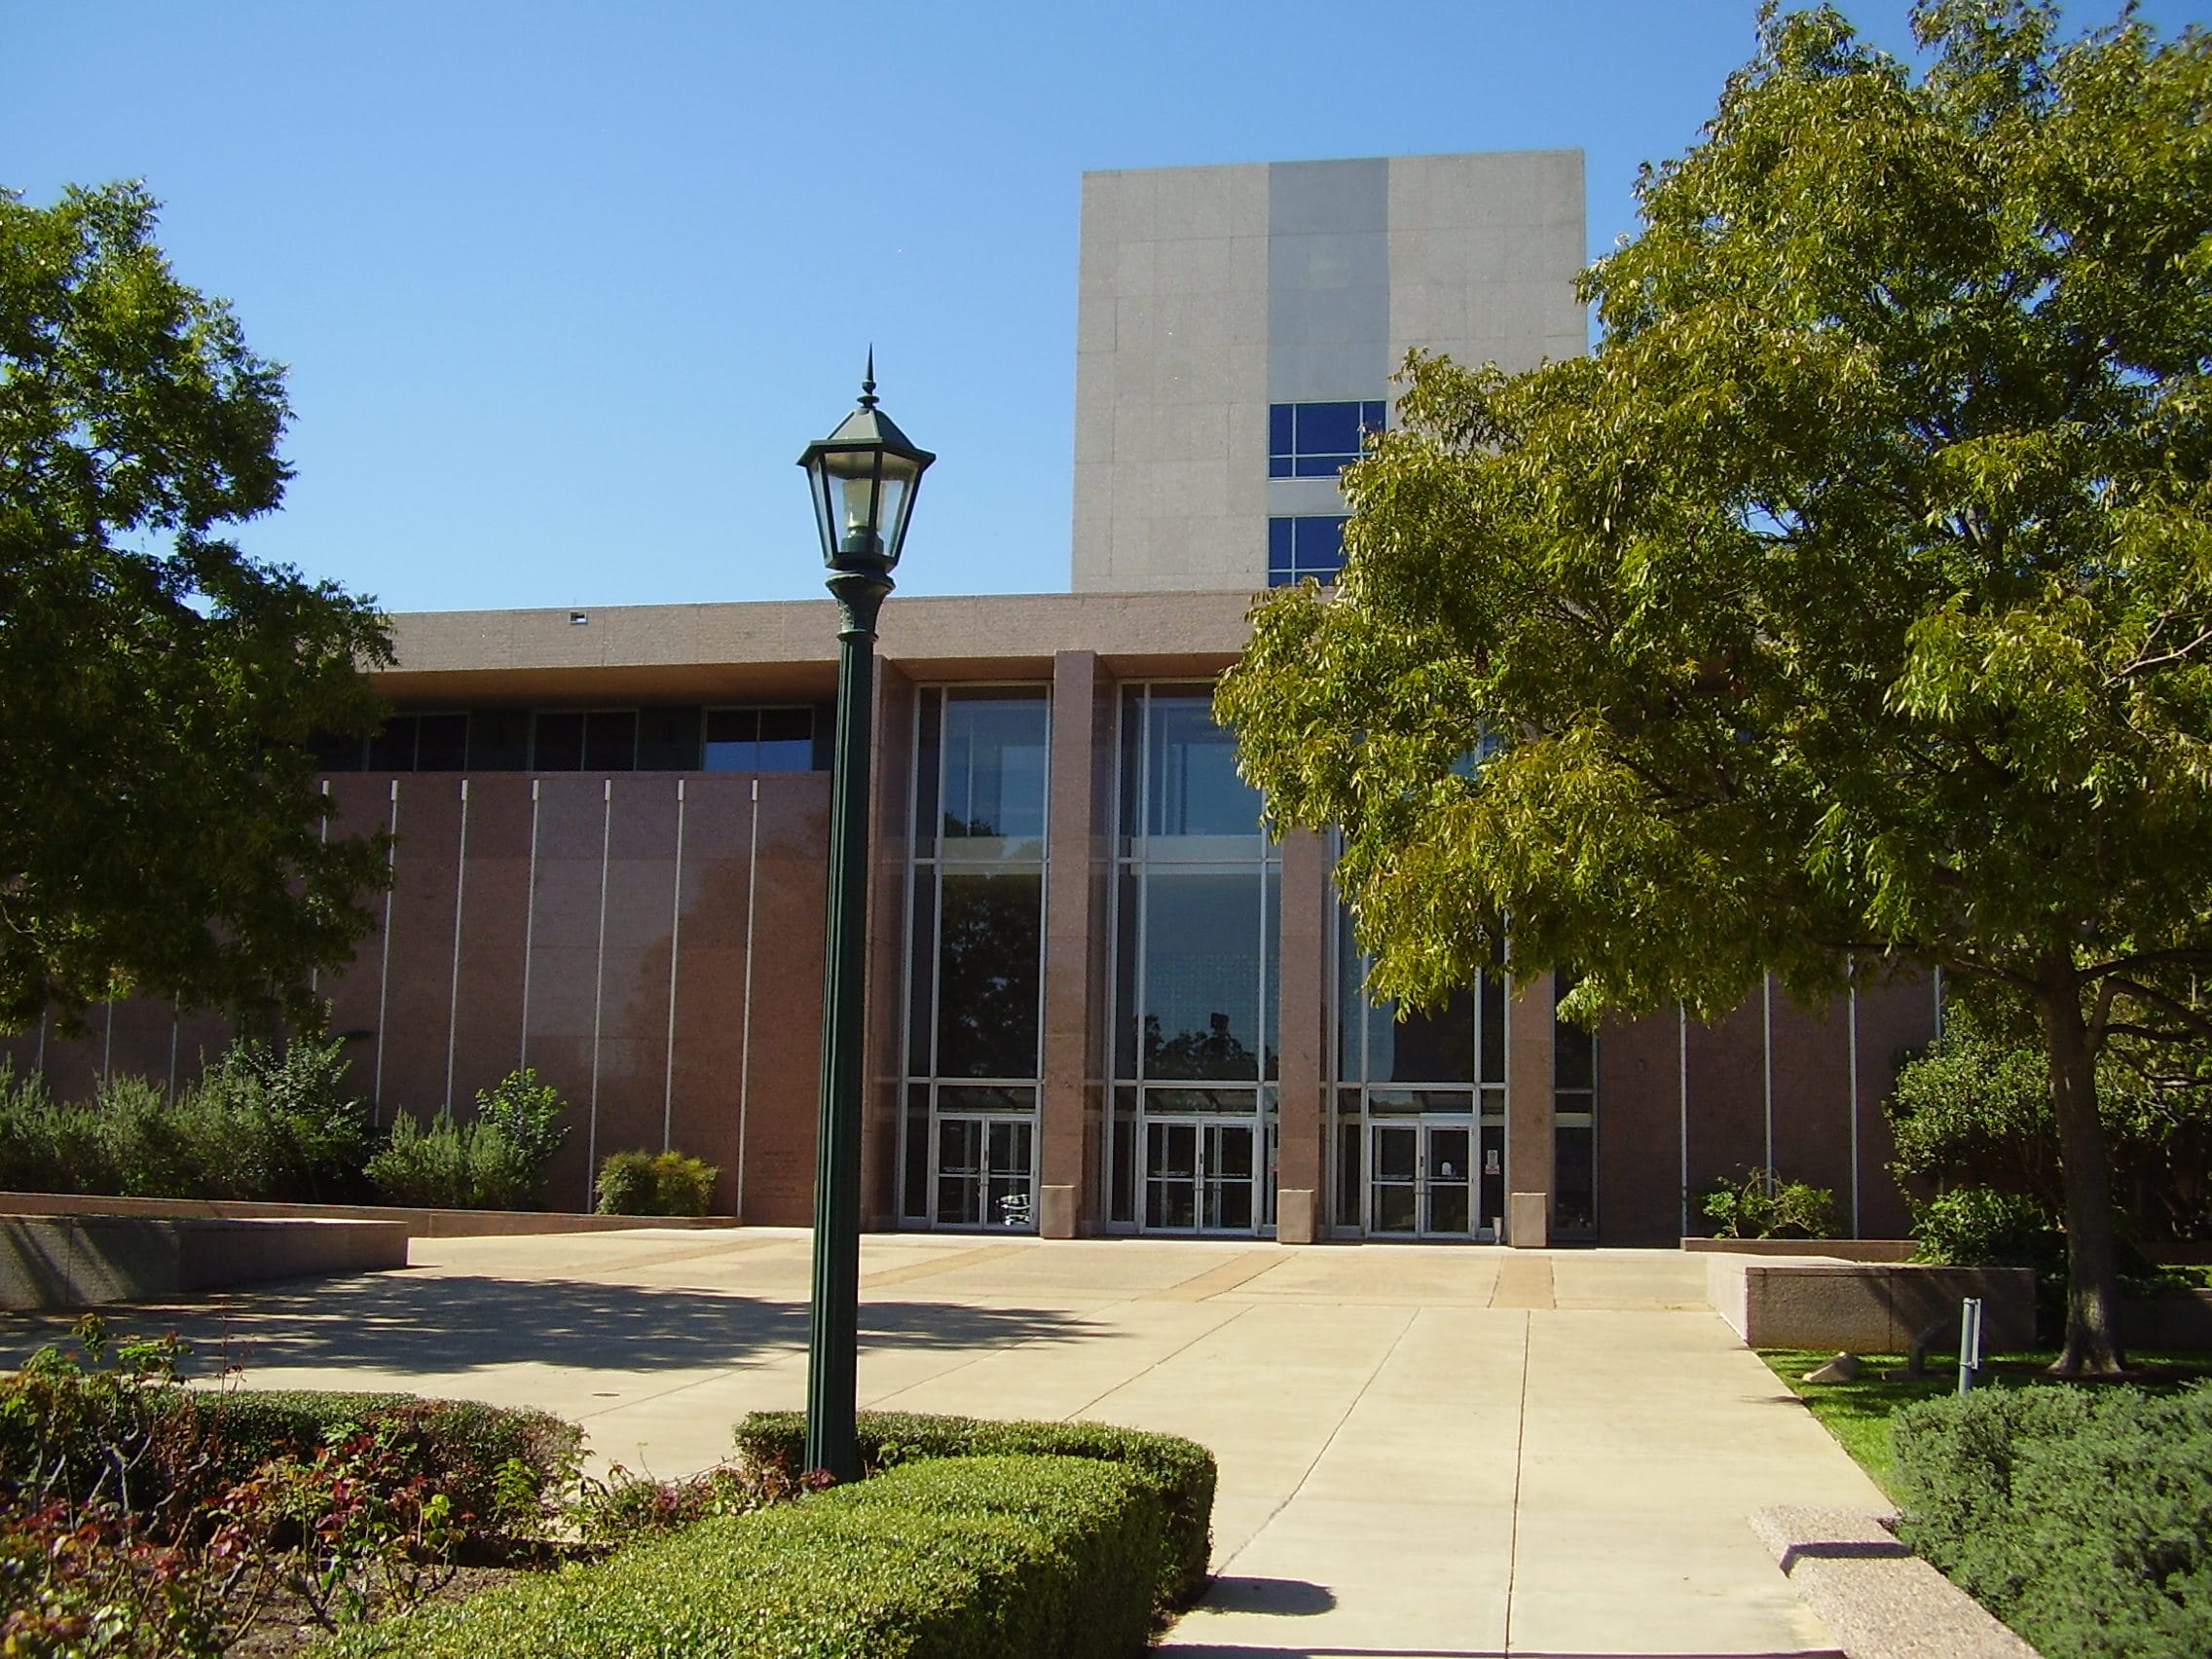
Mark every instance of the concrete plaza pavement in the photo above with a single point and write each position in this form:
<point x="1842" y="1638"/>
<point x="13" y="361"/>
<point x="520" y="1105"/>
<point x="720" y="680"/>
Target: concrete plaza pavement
<point x="1426" y="1451"/>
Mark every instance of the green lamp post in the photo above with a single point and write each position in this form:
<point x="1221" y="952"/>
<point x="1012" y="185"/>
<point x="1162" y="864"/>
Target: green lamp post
<point x="864" y="477"/>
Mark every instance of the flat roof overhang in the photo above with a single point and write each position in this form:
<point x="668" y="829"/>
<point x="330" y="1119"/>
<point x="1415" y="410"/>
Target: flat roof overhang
<point x="738" y="652"/>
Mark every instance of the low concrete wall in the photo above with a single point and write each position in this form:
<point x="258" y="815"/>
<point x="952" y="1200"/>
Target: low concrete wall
<point x="422" y="1223"/>
<point x="1812" y="1302"/>
<point x="82" y="1261"/>
<point x="1878" y="1598"/>
<point x="1832" y="1249"/>
<point x="2171" y="1320"/>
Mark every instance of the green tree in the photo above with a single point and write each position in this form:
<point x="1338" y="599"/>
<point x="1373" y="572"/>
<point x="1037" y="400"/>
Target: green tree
<point x="1850" y="605"/>
<point x="160" y="831"/>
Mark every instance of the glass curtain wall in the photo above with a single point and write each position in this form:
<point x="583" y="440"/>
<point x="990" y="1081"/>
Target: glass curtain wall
<point x="1419" y="1137"/>
<point x="1192" y="1134"/>
<point x="968" y="1154"/>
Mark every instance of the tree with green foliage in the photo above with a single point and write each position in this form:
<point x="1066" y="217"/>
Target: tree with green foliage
<point x="1848" y="609"/>
<point x="1974" y="1111"/>
<point x="161" y="830"/>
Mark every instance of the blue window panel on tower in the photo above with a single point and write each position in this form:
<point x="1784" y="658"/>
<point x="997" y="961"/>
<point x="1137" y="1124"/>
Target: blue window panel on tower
<point x="1318" y="440"/>
<point x="1308" y="546"/>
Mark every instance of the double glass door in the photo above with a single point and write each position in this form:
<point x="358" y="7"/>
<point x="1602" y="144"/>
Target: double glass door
<point x="1199" y="1176"/>
<point x="986" y="1171"/>
<point x="1435" y="1178"/>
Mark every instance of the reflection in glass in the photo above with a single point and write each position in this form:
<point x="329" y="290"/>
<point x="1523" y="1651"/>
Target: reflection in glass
<point x="990" y="937"/>
<point x="1574" y="1182"/>
<point x="994" y="766"/>
<point x="1193" y="782"/>
<point x="1201" y="976"/>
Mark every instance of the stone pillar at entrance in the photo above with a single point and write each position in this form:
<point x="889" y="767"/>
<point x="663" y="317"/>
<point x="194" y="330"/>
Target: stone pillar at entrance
<point x="1075" y="925"/>
<point x="1528" y="1116"/>
<point x="1302" y="956"/>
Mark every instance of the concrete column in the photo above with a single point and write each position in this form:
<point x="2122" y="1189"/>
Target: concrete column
<point x="1528" y="1116"/>
<point x="1073" y="923"/>
<point x="1302" y="959"/>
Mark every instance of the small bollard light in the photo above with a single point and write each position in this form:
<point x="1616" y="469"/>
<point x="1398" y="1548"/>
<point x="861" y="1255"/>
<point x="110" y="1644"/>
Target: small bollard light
<point x="1970" y="1343"/>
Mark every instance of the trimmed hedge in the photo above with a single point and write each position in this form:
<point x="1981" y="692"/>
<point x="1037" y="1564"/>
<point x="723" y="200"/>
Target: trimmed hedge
<point x="1180" y="1472"/>
<point x="987" y="1557"/>
<point x="2084" y="1519"/>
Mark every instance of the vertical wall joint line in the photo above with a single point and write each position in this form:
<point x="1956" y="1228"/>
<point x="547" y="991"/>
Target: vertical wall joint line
<point x="745" y="1010"/>
<point x="384" y="969"/>
<point x="1766" y="1028"/>
<point x="599" y="986"/>
<point x="675" y="951"/>
<point x="1852" y="970"/>
<point x="1682" y="1102"/>
<point x="528" y="927"/>
<point x="452" y="992"/>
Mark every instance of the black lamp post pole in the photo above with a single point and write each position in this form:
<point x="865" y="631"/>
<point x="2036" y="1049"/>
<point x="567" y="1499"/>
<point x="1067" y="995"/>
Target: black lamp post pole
<point x="833" y="1331"/>
<point x="862" y="477"/>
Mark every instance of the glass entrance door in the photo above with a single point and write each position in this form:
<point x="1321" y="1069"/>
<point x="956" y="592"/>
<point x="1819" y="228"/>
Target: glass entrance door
<point x="985" y="1171"/>
<point x="1199" y="1176"/>
<point x="1422" y="1182"/>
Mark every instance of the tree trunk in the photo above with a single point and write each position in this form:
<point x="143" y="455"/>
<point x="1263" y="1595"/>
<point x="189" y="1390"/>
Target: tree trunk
<point x="2093" y="1264"/>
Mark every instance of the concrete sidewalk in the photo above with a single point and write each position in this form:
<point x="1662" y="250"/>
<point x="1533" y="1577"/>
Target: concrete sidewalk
<point x="1442" y="1452"/>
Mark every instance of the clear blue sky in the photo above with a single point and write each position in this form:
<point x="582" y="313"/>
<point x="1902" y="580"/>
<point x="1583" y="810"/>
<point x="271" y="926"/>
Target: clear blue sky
<point x="566" y="286"/>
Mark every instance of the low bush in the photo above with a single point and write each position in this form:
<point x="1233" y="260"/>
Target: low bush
<point x="1980" y="1227"/>
<point x="2082" y="1520"/>
<point x="89" y="1426"/>
<point x="1181" y="1472"/>
<point x="655" y="1183"/>
<point x="625" y="1505"/>
<point x="1757" y="1205"/>
<point x="997" y="1558"/>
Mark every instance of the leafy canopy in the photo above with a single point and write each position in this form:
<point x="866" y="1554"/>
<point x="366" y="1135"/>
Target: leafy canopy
<point x="160" y="831"/>
<point x="1854" y="595"/>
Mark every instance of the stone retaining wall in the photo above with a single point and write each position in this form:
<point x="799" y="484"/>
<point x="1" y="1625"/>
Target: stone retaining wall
<point x="422" y="1223"/>
<point x="1812" y="1302"/>
<point x="83" y="1261"/>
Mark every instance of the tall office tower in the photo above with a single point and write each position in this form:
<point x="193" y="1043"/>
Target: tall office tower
<point x="1238" y="326"/>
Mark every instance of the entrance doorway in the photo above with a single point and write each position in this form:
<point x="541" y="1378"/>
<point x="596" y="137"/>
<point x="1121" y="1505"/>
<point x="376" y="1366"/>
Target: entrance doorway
<point x="986" y="1171"/>
<point x="1435" y="1178"/>
<point x="1199" y="1176"/>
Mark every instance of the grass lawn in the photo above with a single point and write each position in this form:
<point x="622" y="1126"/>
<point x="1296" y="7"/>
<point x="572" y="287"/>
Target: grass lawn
<point x="1858" y="1414"/>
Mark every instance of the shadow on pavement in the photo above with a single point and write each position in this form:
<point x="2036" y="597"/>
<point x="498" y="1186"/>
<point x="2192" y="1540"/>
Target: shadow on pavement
<point x="460" y="1323"/>
<point x="1288" y="1597"/>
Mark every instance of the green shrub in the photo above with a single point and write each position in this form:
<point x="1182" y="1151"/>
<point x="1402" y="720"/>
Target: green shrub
<point x="1001" y="1557"/>
<point x="429" y="1166"/>
<point x="2082" y="1520"/>
<point x="527" y="1114"/>
<point x="655" y="1183"/>
<point x="625" y="1185"/>
<point x="1980" y="1227"/>
<point x="1759" y="1205"/>
<point x="1180" y="1472"/>
<point x="496" y="1161"/>
<point x="258" y="1125"/>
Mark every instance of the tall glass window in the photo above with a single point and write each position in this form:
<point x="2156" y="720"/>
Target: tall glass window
<point x="975" y="975"/>
<point x="1574" y="1126"/>
<point x="1418" y="1140"/>
<point x="1197" y="888"/>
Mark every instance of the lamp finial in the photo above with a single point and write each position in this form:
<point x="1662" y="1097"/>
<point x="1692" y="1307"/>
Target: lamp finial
<point x="867" y="380"/>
